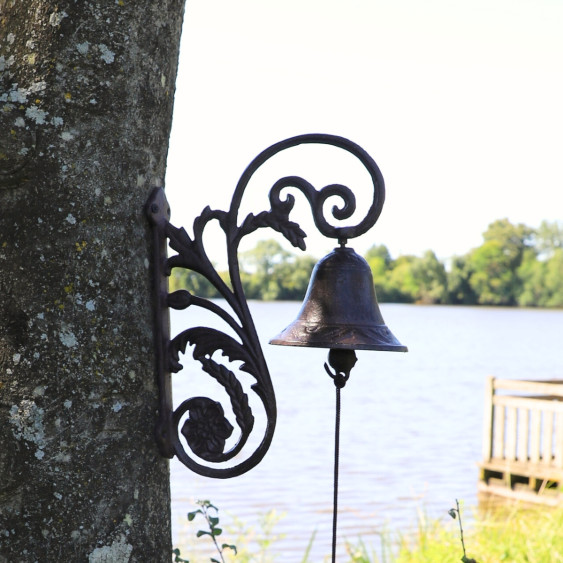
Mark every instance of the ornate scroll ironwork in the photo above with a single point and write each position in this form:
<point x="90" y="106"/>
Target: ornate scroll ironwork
<point x="206" y="429"/>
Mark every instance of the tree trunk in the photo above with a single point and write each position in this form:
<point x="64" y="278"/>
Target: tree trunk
<point x="86" y="95"/>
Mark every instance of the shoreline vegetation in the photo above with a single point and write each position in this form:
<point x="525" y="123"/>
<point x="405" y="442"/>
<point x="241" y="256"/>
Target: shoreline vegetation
<point x="516" y="265"/>
<point x="511" y="532"/>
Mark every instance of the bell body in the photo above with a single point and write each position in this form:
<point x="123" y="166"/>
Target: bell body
<point x="340" y="309"/>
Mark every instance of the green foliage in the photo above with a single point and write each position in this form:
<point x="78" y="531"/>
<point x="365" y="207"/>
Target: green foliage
<point x="257" y="544"/>
<point x="506" y="534"/>
<point x="515" y="535"/>
<point x="532" y="278"/>
<point x="305" y="558"/>
<point x="193" y="282"/>
<point x="493" y="266"/>
<point x="268" y="272"/>
<point x="380" y="263"/>
<point x="513" y="238"/>
<point x="492" y="278"/>
<point x="359" y="552"/>
<point x="515" y="265"/>
<point x="460" y="291"/>
<point x="431" y="279"/>
<point x="251" y="544"/>
<point x="456" y="513"/>
<point x="212" y="530"/>
<point x="553" y="285"/>
<point x="408" y="279"/>
<point x="549" y="238"/>
<point x="378" y="252"/>
<point x="272" y="273"/>
<point x="264" y="257"/>
<point x="178" y="558"/>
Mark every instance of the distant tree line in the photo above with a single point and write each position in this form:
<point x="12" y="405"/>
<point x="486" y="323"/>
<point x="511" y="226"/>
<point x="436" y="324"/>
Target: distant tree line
<point x="268" y="272"/>
<point x="515" y="265"/>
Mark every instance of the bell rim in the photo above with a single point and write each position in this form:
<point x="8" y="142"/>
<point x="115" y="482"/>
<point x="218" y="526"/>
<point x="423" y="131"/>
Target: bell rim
<point x="339" y="346"/>
<point x="367" y="337"/>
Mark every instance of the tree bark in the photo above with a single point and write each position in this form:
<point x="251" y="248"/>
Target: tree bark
<point x="86" y="95"/>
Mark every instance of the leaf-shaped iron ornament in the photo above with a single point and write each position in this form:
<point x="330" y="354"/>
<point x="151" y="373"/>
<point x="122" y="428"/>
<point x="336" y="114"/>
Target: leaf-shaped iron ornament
<point x="206" y="428"/>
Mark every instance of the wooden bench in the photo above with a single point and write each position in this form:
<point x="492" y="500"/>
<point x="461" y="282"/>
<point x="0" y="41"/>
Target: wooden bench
<point x="523" y="440"/>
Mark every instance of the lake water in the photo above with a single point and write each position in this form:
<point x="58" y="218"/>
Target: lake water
<point x="411" y="424"/>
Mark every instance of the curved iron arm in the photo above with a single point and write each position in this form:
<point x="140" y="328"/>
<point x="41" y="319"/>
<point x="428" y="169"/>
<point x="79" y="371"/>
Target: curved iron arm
<point x="207" y="429"/>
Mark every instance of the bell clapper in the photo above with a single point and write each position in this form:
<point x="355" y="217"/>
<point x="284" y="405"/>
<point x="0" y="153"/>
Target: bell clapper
<point x="342" y="361"/>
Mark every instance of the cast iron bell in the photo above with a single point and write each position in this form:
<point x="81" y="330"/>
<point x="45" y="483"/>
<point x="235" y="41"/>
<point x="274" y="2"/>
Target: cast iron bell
<point x="340" y="310"/>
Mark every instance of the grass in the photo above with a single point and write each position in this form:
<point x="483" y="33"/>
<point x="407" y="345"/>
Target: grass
<point x="246" y="544"/>
<point x="512" y="534"/>
<point x="531" y="535"/>
<point x="507" y="534"/>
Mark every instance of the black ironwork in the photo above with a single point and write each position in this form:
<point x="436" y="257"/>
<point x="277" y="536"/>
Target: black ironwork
<point x="207" y="429"/>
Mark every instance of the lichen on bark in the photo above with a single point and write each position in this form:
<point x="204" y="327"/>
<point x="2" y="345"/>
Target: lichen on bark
<point x="86" y="95"/>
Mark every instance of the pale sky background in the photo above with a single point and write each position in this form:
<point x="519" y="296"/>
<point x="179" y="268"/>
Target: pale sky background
<point x="460" y="103"/>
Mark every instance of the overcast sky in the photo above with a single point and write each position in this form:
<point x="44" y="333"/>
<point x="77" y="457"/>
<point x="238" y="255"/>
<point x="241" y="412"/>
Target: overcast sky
<point x="459" y="102"/>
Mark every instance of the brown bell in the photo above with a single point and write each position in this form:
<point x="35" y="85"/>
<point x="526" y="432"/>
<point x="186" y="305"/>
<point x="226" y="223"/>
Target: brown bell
<point x="340" y="310"/>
